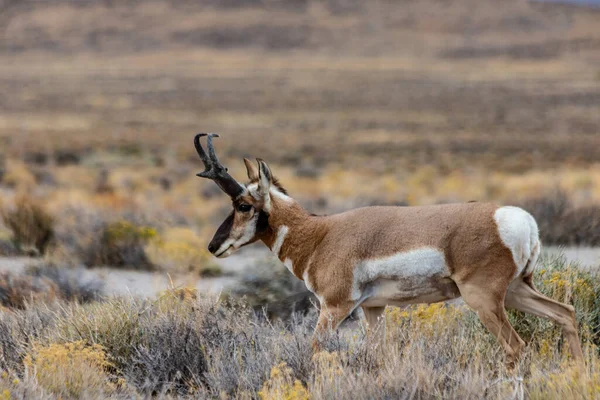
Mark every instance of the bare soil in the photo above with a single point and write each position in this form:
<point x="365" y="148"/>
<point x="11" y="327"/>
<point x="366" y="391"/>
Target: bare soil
<point x="149" y="284"/>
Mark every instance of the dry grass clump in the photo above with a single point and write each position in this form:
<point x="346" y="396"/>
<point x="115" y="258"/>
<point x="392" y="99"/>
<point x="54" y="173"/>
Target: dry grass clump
<point x="16" y="290"/>
<point x="568" y="383"/>
<point x="188" y="345"/>
<point x="13" y="388"/>
<point x="115" y="325"/>
<point x="185" y="345"/>
<point x="47" y="283"/>
<point x="72" y="284"/>
<point x="19" y="329"/>
<point x="31" y="224"/>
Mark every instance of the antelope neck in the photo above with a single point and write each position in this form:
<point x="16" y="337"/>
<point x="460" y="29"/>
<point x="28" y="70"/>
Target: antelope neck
<point x="293" y="234"/>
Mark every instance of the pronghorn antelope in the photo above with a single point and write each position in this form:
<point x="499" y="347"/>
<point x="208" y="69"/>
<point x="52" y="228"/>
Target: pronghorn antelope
<point x="376" y="256"/>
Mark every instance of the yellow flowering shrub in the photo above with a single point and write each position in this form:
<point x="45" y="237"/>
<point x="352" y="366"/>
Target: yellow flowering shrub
<point x="71" y="369"/>
<point x="7" y="385"/>
<point x="426" y="318"/>
<point x="569" y="284"/>
<point x="179" y="299"/>
<point x="181" y="250"/>
<point x="328" y="367"/>
<point x="566" y="284"/>
<point x="281" y="385"/>
<point x="569" y="382"/>
<point x="125" y="230"/>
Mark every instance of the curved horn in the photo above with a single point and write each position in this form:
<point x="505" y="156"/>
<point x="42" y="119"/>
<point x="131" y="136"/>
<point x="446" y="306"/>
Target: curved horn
<point x="214" y="169"/>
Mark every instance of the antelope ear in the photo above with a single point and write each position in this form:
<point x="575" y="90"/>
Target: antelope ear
<point x="251" y="169"/>
<point x="264" y="178"/>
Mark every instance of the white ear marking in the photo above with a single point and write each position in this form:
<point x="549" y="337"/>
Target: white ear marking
<point x="279" y="195"/>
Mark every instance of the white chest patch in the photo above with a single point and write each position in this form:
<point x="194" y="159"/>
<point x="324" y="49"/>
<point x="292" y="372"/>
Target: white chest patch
<point x="409" y="266"/>
<point x="519" y="232"/>
<point x="281" y="234"/>
<point x="289" y="265"/>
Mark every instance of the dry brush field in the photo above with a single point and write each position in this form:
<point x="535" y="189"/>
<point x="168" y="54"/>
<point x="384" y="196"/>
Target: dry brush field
<point x="352" y="104"/>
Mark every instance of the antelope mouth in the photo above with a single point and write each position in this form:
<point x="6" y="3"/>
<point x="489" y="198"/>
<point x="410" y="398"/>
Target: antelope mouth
<point x="225" y="253"/>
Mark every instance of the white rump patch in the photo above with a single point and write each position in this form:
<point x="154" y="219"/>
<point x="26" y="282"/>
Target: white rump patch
<point x="409" y="266"/>
<point x="519" y="232"/>
<point x="281" y="233"/>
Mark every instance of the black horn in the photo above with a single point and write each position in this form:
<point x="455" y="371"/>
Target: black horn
<point x="214" y="169"/>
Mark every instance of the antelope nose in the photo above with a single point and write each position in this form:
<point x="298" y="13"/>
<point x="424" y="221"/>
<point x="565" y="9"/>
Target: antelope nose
<point x="211" y="248"/>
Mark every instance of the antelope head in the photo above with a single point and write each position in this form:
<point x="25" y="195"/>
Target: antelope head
<point x="251" y="202"/>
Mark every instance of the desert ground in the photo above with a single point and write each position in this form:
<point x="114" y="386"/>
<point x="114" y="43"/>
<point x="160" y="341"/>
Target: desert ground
<point x="106" y="287"/>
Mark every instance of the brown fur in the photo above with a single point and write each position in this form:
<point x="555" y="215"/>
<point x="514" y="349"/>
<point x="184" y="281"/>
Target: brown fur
<point x="376" y="232"/>
<point x="326" y="250"/>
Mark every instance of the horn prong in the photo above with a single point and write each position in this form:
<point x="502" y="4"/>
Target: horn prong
<point x="214" y="170"/>
<point x="211" y="148"/>
<point x="199" y="148"/>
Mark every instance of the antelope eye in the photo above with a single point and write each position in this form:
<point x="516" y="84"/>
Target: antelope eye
<point x="244" y="207"/>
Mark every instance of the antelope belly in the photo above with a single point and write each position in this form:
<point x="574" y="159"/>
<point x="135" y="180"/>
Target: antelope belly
<point x="416" y="276"/>
<point x="414" y="290"/>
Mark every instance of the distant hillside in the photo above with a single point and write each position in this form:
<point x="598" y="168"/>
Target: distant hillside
<point x="460" y="27"/>
<point x="508" y="84"/>
<point x="581" y="2"/>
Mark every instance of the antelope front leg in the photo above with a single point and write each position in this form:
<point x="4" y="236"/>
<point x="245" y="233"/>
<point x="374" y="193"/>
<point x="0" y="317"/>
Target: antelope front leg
<point x="330" y="319"/>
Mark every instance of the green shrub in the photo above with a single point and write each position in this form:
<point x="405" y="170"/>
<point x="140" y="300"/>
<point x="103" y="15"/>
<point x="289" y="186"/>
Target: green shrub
<point x="567" y="283"/>
<point x="123" y="245"/>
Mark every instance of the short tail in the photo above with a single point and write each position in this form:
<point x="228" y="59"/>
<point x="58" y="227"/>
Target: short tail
<point x="536" y="248"/>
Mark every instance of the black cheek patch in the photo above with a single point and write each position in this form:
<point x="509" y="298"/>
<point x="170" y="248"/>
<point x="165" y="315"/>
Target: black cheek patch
<point x="223" y="232"/>
<point x="263" y="222"/>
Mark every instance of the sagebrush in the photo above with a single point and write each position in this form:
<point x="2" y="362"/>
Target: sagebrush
<point x="190" y="345"/>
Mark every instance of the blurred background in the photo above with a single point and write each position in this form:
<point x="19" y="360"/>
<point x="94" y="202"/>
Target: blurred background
<point x="352" y="103"/>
